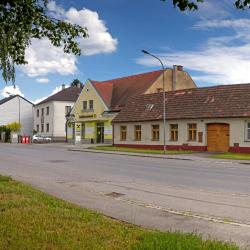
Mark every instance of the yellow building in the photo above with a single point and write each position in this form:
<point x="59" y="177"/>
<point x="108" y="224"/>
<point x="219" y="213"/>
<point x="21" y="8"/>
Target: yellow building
<point x="90" y="120"/>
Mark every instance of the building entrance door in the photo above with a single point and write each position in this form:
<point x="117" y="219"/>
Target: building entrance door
<point x="100" y="133"/>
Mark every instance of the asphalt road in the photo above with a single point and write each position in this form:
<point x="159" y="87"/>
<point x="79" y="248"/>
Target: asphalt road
<point x="206" y="196"/>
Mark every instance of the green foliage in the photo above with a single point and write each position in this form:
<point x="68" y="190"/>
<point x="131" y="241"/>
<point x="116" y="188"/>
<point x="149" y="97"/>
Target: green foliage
<point x="193" y="4"/>
<point x="14" y="127"/>
<point x="76" y="82"/>
<point x="22" y="20"/>
<point x="31" y="219"/>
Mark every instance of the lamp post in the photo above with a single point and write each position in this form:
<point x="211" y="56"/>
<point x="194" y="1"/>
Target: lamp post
<point x="164" y="98"/>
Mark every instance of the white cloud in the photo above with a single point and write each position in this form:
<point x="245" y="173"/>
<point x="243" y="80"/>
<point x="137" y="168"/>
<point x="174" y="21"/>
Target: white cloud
<point x="42" y="80"/>
<point x="211" y="9"/>
<point x="10" y="90"/>
<point x="43" y="58"/>
<point x="221" y="60"/>
<point x="54" y="91"/>
<point x="99" y="40"/>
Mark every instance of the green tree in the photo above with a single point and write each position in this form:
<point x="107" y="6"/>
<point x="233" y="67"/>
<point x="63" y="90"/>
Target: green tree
<point x="76" y="82"/>
<point x="14" y="127"/>
<point x="22" y="20"/>
<point x="193" y="4"/>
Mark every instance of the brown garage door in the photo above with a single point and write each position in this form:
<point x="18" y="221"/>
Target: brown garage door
<point x="217" y="137"/>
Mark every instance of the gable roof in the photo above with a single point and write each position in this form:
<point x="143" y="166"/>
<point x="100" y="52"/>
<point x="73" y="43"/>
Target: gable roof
<point x="68" y="95"/>
<point x="116" y="92"/>
<point x="212" y="102"/>
<point x="4" y="100"/>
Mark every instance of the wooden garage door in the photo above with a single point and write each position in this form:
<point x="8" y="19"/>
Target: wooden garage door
<point x="218" y="137"/>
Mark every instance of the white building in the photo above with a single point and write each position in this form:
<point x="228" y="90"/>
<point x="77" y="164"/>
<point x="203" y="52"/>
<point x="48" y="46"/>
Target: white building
<point x="49" y="115"/>
<point x="17" y="109"/>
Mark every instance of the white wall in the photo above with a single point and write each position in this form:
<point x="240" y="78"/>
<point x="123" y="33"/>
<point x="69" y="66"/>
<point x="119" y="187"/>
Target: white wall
<point x="46" y="119"/>
<point x="237" y="132"/>
<point x="59" y="119"/>
<point x="56" y="118"/>
<point x="9" y="112"/>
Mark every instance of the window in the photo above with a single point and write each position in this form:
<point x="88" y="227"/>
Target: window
<point x="91" y="104"/>
<point x="155" y="132"/>
<point x="248" y="130"/>
<point x="174" y="132"/>
<point x="42" y="112"/>
<point x="67" y="109"/>
<point x="123" y="133"/>
<point x="37" y="113"/>
<point x="138" y="132"/>
<point x="47" y="127"/>
<point x="85" y="105"/>
<point x="192" y="132"/>
<point x="37" y="128"/>
<point x="42" y="128"/>
<point x="47" y="111"/>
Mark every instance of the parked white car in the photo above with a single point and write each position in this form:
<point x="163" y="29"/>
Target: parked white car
<point x="41" y="139"/>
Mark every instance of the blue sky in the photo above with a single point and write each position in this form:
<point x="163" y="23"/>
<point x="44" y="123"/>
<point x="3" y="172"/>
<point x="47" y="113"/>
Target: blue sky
<point x="212" y="44"/>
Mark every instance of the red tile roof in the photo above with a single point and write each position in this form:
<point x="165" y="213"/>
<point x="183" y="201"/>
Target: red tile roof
<point x="115" y="93"/>
<point x="212" y="102"/>
<point x="67" y="95"/>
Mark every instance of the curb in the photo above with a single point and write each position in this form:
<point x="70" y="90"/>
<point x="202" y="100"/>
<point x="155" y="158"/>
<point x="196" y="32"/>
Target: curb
<point x="132" y="154"/>
<point x="157" y="156"/>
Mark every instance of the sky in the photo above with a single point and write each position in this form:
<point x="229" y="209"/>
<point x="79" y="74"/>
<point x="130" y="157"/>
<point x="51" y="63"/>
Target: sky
<point x="213" y="44"/>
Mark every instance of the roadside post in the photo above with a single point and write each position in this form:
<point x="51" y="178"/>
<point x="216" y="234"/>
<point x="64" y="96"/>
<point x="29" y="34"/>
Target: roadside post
<point x="78" y="131"/>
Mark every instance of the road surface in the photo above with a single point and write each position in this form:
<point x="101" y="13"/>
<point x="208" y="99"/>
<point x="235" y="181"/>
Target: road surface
<point x="205" y="196"/>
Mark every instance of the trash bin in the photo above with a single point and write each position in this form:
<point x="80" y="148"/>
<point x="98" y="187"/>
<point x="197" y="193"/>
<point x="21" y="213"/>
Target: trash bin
<point x="23" y="139"/>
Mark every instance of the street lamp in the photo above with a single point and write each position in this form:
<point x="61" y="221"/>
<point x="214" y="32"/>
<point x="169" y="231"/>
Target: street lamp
<point x="10" y="94"/>
<point x="164" y="98"/>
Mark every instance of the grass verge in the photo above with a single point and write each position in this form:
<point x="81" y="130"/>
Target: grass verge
<point x="231" y="156"/>
<point x="30" y="219"/>
<point x="142" y="151"/>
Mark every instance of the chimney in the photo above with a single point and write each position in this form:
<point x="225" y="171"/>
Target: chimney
<point x="63" y="86"/>
<point x="175" y="69"/>
<point x="78" y="85"/>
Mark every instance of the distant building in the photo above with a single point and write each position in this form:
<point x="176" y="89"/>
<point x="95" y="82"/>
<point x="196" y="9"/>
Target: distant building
<point x="49" y="114"/>
<point x="99" y="102"/>
<point x="215" y="119"/>
<point x="15" y="108"/>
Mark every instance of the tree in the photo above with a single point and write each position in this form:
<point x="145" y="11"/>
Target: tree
<point x="76" y="82"/>
<point x="193" y="4"/>
<point x="22" y="20"/>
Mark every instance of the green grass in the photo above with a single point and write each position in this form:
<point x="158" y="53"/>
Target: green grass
<point x="30" y="219"/>
<point x="142" y="151"/>
<point x="232" y="156"/>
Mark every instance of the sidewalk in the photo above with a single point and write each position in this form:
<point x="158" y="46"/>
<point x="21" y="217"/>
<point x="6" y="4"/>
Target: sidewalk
<point x="202" y="156"/>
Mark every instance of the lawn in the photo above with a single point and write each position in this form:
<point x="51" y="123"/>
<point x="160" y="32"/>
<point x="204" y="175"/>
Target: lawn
<point x="232" y="156"/>
<point x="142" y="151"/>
<point x="30" y="219"/>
